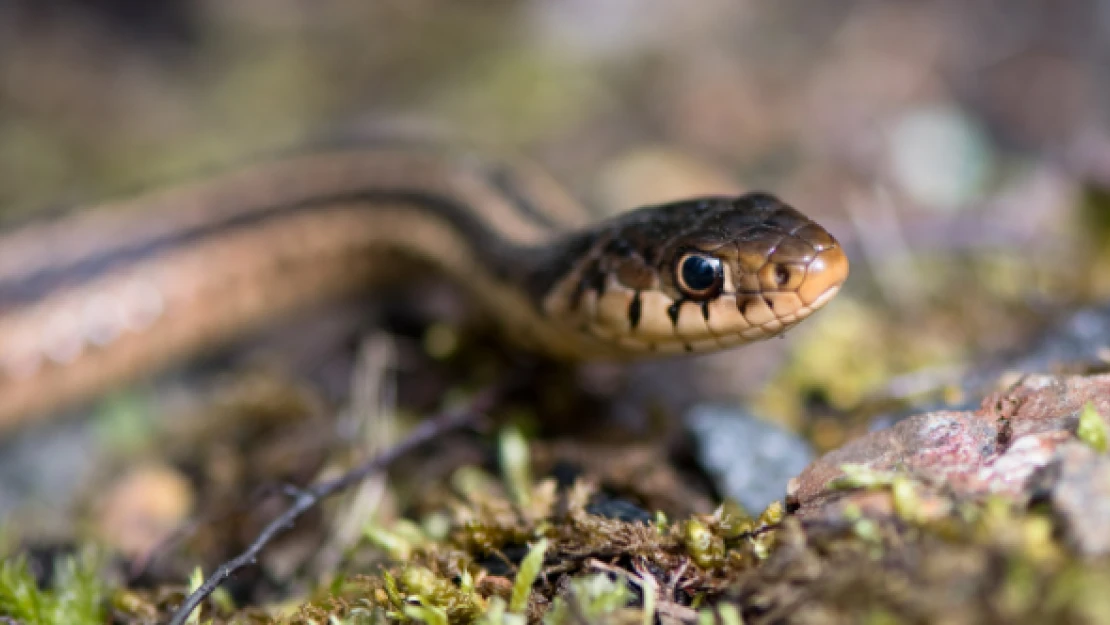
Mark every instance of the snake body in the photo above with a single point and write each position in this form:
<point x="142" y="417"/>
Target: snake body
<point x="113" y="292"/>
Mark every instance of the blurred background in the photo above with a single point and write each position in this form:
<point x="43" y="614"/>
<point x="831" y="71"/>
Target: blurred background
<point x="960" y="149"/>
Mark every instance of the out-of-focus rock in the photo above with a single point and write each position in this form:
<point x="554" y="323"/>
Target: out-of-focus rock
<point x="749" y="459"/>
<point x="1079" y="490"/>
<point x="143" y="508"/>
<point x="1020" y="443"/>
<point x="940" y="157"/>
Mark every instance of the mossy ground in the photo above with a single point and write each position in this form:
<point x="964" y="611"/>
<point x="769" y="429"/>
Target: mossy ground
<point x="542" y="555"/>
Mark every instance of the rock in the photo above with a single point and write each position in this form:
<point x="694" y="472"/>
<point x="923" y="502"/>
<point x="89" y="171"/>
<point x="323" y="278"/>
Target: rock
<point x="1004" y="448"/>
<point x="143" y="508"/>
<point x="1080" y="496"/>
<point x="750" y="460"/>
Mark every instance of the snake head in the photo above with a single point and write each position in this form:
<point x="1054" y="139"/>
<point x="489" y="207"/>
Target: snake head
<point x="702" y="275"/>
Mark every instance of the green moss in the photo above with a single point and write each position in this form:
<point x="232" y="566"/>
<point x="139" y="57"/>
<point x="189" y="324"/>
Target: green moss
<point x="1092" y="428"/>
<point x="516" y="464"/>
<point x="860" y="476"/>
<point x="530" y="569"/>
<point x="724" y="614"/>
<point x="707" y="549"/>
<point x="76" y="596"/>
<point x="597" y="599"/>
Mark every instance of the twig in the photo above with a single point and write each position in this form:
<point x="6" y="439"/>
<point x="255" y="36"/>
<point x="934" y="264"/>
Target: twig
<point x="144" y="562"/>
<point x="307" y="498"/>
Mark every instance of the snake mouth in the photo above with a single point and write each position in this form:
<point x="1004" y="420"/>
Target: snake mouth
<point x="748" y="316"/>
<point x="825" y="274"/>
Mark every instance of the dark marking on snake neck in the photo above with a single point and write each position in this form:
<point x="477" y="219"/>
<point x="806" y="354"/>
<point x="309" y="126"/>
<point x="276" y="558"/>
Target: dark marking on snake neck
<point x="635" y="309"/>
<point x="672" y="311"/>
<point x="705" y="310"/>
<point x="595" y="278"/>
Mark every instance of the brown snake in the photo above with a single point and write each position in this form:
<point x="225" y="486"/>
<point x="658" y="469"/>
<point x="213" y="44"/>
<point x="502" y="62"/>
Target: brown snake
<point x="107" y="294"/>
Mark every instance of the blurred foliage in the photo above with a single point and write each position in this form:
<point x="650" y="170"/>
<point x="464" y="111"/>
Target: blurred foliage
<point x="75" y="597"/>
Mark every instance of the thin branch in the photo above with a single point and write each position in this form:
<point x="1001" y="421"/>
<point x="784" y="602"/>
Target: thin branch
<point x="305" y="499"/>
<point x="144" y="562"/>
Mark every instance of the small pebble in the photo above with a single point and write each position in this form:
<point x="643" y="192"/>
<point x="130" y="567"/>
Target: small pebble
<point x="750" y="459"/>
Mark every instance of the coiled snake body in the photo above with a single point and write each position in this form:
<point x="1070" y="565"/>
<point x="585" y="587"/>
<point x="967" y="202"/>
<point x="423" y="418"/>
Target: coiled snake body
<point x="113" y="292"/>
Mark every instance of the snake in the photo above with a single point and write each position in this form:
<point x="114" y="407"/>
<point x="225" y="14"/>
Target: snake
<point x="105" y="295"/>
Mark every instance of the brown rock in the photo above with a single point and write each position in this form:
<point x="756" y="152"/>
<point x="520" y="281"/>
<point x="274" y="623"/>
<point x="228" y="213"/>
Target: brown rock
<point x="998" y="448"/>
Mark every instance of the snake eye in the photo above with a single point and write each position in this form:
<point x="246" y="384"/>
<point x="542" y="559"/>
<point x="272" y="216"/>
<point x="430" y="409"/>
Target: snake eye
<point x="699" y="276"/>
